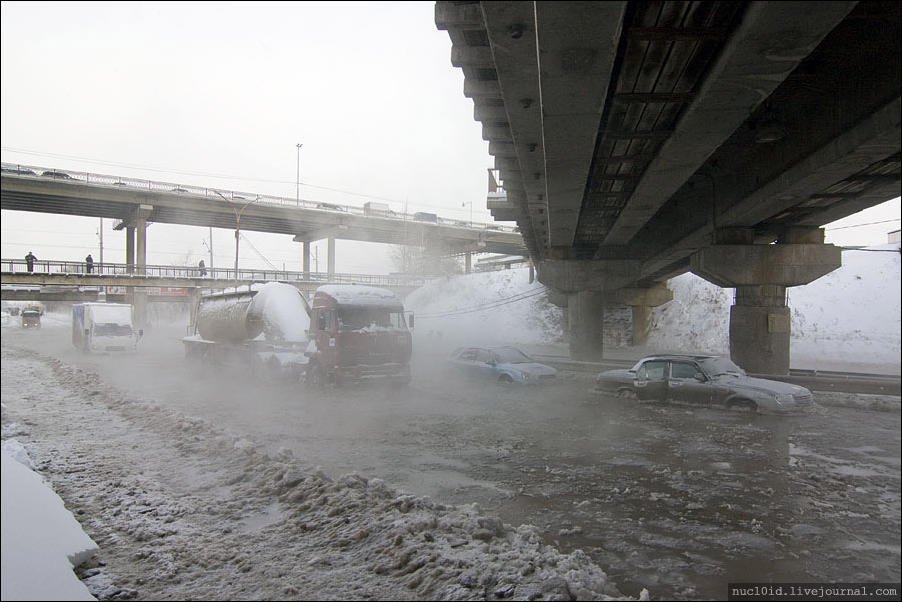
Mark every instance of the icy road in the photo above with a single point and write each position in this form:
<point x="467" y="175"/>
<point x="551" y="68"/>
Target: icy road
<point x="206" y="484"/>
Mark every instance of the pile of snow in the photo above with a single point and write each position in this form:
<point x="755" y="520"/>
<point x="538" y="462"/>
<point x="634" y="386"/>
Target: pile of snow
<point x="846" y="320"/>
<point x="490" y="308"/>
<point x="41" y="540"/>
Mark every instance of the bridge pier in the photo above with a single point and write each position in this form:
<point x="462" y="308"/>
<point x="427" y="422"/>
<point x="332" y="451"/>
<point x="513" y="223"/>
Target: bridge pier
<point x="760" y="273"/>
<point x="330" y="257"/>
<point x="469" y="262"/>
<point x="585" y="319"/>
<point x="130" y="249"/>
<point x="641" y="300"/>
<point x="305" y="259"/>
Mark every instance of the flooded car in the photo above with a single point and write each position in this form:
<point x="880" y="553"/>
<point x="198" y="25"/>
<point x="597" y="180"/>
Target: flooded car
<point x="503" y="364"/>
<point x="703" y="379"/>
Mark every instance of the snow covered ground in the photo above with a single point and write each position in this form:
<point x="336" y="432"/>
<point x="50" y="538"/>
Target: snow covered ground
<point x="848" y="320"/>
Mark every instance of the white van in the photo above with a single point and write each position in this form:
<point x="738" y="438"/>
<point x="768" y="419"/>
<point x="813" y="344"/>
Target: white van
<point x="104" y="327"/>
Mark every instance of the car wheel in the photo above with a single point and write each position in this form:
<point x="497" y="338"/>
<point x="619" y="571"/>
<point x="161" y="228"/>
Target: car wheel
<point x="505" y="379"/>
<point x="626" y="394"/>
<point x="743" y="405"/>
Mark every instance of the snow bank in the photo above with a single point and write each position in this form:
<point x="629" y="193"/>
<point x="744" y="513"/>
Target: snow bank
<point x="41" y="540"/>
<point x="490" y="308"/>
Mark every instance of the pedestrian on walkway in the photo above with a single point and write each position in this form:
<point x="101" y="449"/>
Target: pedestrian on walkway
<point x="89" y="264"/>
<point x="29" y="261"/>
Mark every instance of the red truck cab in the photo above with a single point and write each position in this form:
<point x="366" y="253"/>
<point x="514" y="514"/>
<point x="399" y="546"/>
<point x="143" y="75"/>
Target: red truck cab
<point x="358" y="332"/>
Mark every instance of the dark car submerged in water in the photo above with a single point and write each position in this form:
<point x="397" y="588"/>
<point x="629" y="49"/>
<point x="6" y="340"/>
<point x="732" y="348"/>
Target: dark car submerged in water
<point x="705" y="380"/>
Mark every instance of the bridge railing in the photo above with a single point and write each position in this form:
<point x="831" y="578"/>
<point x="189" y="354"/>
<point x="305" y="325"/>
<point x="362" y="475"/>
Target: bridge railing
<point x="226" y="196"/>
<point x="43" y="266"/>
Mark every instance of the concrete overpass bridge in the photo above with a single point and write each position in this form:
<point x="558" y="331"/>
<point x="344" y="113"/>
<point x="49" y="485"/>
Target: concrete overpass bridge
<point x="640" y="140"/>
<point x="136" y="202"/>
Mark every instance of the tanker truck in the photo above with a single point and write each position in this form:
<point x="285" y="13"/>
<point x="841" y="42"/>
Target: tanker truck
<point x="262" y="330"/>
<point x="358" y="332"/>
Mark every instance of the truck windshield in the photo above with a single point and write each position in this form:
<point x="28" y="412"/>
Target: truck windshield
<point x="355" y="318"/>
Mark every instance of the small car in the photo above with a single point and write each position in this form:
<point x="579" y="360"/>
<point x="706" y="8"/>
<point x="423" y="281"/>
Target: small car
<point x="19" y="171"/>
<point x="702" y="379"/>
<point x="59" y="175"/>
<point x="330" y="207"/>
<point x="503" y="364"/>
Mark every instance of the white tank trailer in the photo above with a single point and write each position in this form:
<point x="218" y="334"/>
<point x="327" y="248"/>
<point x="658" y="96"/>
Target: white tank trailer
<point x="263" y="330"/>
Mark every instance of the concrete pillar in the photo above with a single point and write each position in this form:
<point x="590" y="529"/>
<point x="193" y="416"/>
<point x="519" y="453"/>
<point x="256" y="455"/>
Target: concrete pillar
<point x="305" y="259"/>
<point x="586" y="322"/>
<point x="760" y="328"/>
<point x="468" y="258"/>
<point x="141" y="245"/>
<point x="759" y="318"/>
<point x="130" y="249"/>
<point x="192" y="310"/>
<point x="641" y="325"/>
<point x="330" y="257"/>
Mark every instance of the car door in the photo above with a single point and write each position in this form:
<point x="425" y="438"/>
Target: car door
<point x="651" y="380"/>
<point x="687" y="384"/>
<point x="486" y="362"/>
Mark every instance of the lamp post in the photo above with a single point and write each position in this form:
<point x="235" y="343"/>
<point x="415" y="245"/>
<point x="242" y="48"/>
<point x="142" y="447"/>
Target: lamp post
<point x="238" y="213"/>
<point x="297" y="193"/>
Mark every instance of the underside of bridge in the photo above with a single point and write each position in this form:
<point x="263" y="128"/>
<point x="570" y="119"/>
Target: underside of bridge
<point x="640" y="140"/>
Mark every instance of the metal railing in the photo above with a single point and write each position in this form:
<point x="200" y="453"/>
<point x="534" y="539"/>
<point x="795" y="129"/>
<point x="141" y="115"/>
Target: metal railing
<point x="45" y="266"/>
<point x="226" y="196"/>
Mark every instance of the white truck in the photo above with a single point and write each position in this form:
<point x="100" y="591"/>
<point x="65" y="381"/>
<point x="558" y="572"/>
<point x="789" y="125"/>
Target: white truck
<point x="104" y="327"/>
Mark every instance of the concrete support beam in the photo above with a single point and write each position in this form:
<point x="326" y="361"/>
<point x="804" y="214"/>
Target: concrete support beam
<point x="305" y="259"/>
<point x="469" y="262"/>
<point x="782" y="264"/>
<point x="759" y="318"/>
<point x="641" y="300"/>
<point x="130" y="249"/>
<point x="330" y="257"/>
<point x="586" y="322"/>
<point x="574" y="275"/>
<point x="760" y="329"/>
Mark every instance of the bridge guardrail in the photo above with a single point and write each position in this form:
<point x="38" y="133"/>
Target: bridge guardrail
<point x="44" y="266"/>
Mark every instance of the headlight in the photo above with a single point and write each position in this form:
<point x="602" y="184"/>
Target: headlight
<point x="783" y="397"/>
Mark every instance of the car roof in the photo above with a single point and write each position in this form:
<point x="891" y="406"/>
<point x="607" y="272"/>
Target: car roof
<point x="678" y="356"/>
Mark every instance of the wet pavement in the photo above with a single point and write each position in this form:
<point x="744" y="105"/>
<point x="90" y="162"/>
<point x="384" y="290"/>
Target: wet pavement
<point x="677" y="499"/>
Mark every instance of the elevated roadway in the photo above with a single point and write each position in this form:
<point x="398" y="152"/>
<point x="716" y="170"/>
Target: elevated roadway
<point x="639" y="140"/>
<point x="66" y="192"/>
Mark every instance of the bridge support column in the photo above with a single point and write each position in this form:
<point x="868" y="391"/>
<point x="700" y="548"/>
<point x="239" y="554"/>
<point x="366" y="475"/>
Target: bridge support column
<point x="130" y="249"/>
<point x="330" y="257"/>
<point x="760" y="273"/>
<point x="305" y="259"/>
<point x="140" y="296"/>
<point x="641" y="300"/>
<point x="469" y="262"/>
<point x="586" y="323"/>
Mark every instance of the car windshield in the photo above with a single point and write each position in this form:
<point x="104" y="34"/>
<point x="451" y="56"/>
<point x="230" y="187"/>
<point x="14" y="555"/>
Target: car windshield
<point x="509" y="355"/>
<point x="715" y="366"/>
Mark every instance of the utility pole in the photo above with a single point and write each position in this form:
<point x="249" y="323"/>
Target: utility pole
<point x="101" y="246"/>
<point x="211" y="248"/>
<point x="297" y="193"/>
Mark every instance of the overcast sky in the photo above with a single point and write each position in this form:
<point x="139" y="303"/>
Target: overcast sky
<point x="186" y="92"/>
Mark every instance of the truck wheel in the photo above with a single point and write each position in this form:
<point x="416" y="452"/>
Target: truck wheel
<point x="315" y="375"/>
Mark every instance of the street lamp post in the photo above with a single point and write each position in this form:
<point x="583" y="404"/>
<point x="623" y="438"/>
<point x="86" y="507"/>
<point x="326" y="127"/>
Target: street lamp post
<point x="297" y="193"/>
<point x="238" y="213"/>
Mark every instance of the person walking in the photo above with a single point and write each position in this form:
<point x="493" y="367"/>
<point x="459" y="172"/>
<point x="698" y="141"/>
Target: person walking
<point x="29" y="261"/>
<point x="203" y="268"/>
<point x="89" y="264"/>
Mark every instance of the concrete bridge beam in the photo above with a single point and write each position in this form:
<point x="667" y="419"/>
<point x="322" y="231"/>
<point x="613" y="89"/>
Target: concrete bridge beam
<point x="759" y="318"/>
<point x="597" y="275"/>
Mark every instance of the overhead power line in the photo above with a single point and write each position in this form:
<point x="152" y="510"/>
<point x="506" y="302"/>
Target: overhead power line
<point x="491" y="305"/>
